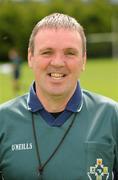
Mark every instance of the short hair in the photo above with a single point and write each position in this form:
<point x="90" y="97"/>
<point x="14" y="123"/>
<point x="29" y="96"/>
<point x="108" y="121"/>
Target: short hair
<point x="57" y="21"/>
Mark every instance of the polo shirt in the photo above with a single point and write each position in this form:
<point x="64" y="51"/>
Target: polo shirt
<point x="74" y="105"/>
<point x="89" y="150"/>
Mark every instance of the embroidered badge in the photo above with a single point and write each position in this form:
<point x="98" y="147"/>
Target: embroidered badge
<point x="99" y="171"/>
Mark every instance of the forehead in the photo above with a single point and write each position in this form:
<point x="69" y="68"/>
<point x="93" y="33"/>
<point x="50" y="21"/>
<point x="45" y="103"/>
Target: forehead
<point x="57" y="36"/>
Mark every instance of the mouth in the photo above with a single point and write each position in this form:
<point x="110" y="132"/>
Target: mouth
<point x="56" y="75"/>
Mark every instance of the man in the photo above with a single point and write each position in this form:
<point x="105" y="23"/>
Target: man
<point x="15" y="58"/>
<point x="58" y="131"/>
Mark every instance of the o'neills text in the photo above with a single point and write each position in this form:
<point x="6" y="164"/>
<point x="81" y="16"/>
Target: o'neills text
<point x="19" y="147"/>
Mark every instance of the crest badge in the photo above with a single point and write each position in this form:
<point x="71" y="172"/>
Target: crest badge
<point x="98" y="171"/>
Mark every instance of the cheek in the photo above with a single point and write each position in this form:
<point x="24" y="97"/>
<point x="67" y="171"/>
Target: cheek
<point x="75" y="66"/>
<point x="76" y="70"/>
<point x="41" y="63"/>
<point x="36" y="67"/>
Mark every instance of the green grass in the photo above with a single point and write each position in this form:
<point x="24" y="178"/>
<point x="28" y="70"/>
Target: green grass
<point x="100" y="76"/>
<point x="6" y="86"/>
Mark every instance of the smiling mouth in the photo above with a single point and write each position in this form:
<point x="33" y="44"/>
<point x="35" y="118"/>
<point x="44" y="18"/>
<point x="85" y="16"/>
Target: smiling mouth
<point x="57" y="75"/>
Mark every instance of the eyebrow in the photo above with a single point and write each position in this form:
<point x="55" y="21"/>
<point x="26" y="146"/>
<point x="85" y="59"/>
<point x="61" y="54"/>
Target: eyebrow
<point x="65" y="49"/>
<point x="45" y="49"/>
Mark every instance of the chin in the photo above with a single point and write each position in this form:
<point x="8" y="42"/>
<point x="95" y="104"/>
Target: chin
<point x="58" y="93"/>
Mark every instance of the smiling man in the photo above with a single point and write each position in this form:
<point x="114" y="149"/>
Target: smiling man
<point x="58" y="131"/>
<point x="57" y="61"/>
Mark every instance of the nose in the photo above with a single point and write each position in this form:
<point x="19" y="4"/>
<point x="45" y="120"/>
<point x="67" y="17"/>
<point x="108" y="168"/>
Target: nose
<point x="58" y="60"/>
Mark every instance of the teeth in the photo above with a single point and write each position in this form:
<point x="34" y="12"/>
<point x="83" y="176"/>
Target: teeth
<point x="56" y="75"/>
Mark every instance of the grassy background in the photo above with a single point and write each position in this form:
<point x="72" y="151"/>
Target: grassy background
<point x="101" y="76"/>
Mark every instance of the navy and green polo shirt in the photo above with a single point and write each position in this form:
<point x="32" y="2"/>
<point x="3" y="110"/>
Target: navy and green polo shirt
<point x="74" y="105"/>
<point x="89" y="151"/>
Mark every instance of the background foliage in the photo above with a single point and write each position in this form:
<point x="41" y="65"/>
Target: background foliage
<point x="18" y="18"/>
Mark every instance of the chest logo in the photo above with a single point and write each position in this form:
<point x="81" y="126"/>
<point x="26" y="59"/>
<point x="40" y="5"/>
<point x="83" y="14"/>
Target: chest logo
<point x="99" y="171"/>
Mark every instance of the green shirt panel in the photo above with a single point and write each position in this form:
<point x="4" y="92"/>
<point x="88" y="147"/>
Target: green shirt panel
<point x="90" y="147"/>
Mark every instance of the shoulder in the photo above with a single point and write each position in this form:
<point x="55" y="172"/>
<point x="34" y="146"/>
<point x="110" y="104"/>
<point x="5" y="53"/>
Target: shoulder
<point x="14" y="104"/>
<point x="95" y="100"/>
<point x="13" y="114"/>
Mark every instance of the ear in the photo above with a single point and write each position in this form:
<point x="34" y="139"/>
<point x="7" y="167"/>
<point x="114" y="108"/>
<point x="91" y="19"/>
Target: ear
<point x="30" y="58"/>
<point x="84" y="61"/>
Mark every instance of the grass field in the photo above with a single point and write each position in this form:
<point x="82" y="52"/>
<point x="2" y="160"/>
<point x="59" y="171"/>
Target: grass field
<point x="101" y="76"/>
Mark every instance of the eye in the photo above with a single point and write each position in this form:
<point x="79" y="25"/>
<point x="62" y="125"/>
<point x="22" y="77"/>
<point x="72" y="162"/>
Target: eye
<point x="71" y="52"/>
<point x="46" y="53"/>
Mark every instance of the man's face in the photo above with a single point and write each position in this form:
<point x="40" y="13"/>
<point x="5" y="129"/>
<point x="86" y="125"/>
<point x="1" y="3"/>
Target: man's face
<point x="57" y="61"/>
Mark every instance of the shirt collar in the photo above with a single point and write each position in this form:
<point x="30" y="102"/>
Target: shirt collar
<point x="74" y="104"/>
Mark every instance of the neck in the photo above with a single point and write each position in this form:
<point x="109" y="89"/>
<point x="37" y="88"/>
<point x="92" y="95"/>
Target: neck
<point x="54" y="103"/>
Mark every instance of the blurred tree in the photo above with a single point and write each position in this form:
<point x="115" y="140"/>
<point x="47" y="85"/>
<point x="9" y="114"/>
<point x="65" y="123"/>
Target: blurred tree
<point x="18" y="18"/>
